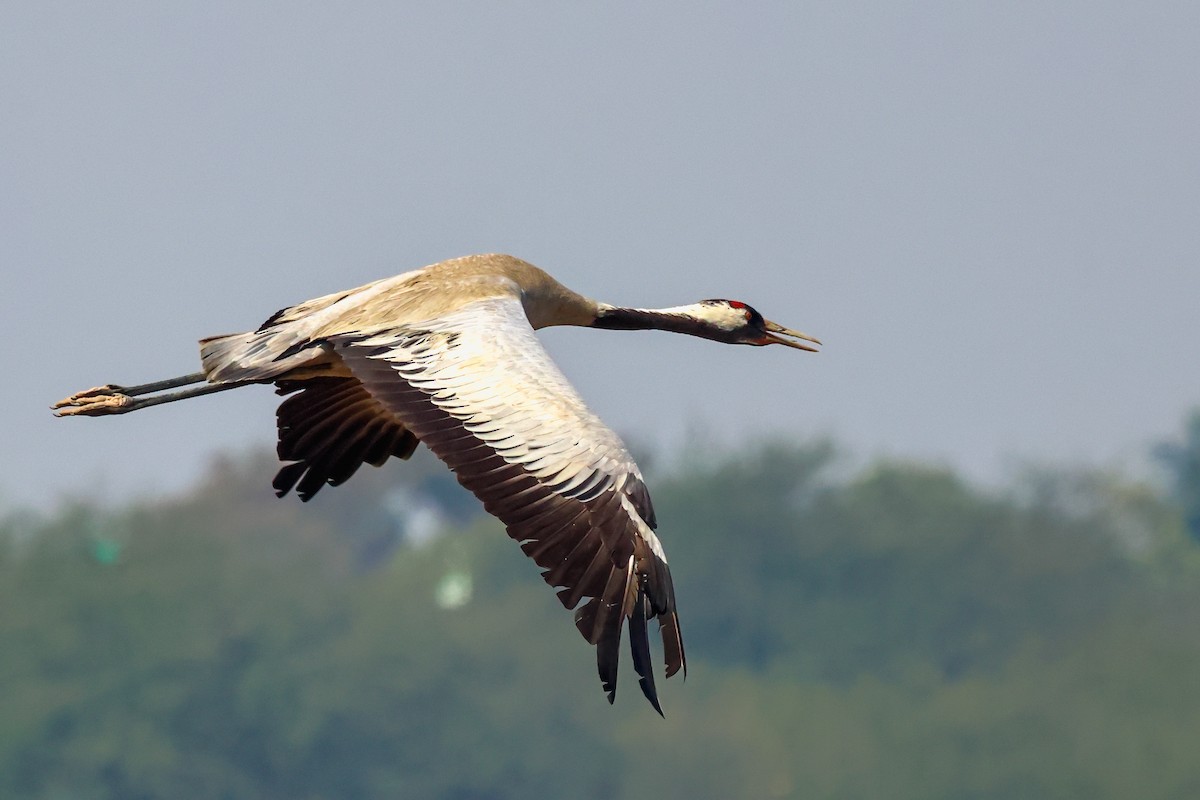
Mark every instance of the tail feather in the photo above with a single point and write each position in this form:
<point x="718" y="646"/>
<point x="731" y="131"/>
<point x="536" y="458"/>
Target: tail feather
<point x="254" y="356"/>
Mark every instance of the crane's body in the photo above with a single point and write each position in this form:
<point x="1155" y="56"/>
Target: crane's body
<point x="413" y="298"/>
<point x="446" y="355"/>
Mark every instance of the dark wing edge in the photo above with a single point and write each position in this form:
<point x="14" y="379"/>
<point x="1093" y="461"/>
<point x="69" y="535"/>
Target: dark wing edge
<point x="595" y="545"/>
<point x="329" y="427"/>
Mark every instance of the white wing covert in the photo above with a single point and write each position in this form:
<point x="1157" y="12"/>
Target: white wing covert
<point x="478" y="389"/>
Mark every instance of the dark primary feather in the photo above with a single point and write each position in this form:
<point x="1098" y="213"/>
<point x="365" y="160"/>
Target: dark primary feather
<point x="638" y="644"/>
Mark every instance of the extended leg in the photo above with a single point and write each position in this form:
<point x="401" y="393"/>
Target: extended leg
<point x="113" y="399"/>
<point x="133" y="391"/>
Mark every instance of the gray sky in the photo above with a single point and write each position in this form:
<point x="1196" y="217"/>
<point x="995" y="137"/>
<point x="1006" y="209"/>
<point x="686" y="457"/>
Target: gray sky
<point x="989" y="212"/>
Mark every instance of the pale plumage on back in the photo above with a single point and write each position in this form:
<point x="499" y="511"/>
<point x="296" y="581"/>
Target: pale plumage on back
<point x="446" y="355"/>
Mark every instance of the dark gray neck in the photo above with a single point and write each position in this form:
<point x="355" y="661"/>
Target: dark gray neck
<point x="613" y="318"/>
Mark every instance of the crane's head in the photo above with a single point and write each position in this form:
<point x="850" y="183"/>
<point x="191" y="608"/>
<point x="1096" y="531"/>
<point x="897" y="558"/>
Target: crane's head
<point x="729" y="321"/>
<point x="735" y="322"/>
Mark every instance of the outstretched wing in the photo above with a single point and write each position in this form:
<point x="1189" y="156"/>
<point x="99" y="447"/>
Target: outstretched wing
<point x="479" y="390"/>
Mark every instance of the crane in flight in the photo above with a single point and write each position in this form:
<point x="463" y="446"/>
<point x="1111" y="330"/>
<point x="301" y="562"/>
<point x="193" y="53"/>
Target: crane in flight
<point x="446" y="355"/>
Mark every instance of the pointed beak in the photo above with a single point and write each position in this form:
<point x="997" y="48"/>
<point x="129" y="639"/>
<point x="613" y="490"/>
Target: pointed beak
<point x="776" y="334"/>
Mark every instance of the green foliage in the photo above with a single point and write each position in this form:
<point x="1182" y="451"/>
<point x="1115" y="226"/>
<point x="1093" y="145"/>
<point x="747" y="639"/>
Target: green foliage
<point x="1182" y="460"/>
<point x="892" y="633"/>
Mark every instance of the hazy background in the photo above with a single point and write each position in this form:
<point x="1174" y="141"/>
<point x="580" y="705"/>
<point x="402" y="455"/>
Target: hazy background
<point x="987" y="211"/>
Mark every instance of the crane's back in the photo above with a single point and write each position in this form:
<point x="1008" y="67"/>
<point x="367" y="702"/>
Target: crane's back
<point x="290" y="339"/>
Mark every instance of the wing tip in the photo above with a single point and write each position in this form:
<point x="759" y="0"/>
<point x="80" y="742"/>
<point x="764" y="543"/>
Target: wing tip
<point x="639" y="646"/>
<point x="672" y="639"/>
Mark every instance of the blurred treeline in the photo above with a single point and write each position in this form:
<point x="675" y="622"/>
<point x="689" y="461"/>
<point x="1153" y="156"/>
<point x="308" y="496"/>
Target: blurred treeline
<point x="890" y="631"/>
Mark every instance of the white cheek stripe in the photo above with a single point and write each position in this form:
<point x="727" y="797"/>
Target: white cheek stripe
<point x="722" y="316"/>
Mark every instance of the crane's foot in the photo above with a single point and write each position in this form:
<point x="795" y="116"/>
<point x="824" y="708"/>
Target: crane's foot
<point x="95" y="402"/>
<point x="95" y="391"/>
